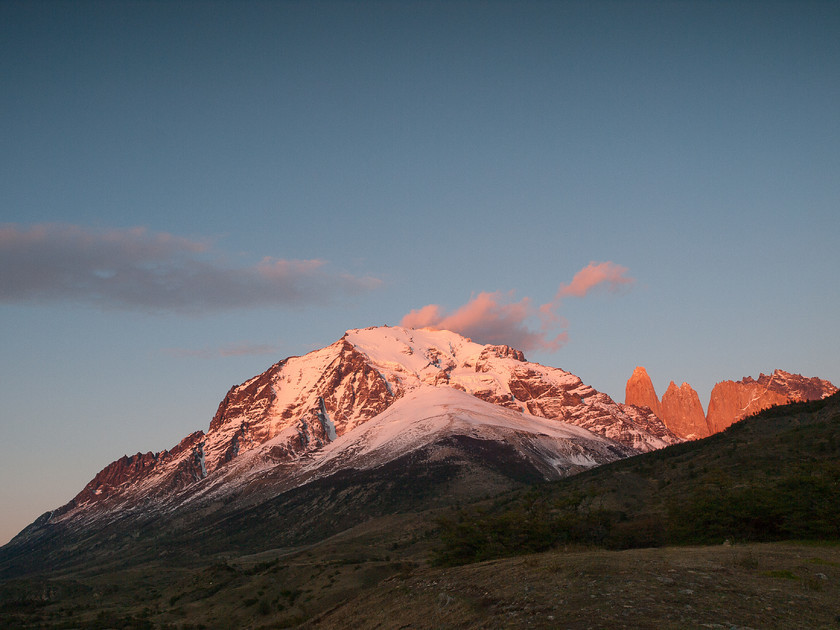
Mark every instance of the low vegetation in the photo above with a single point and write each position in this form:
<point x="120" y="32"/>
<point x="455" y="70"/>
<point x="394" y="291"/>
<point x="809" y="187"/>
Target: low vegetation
<point x="775" y="476"/>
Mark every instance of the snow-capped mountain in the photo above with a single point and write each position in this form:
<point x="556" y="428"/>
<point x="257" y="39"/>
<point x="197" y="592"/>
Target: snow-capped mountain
<point x="375" y="395"/>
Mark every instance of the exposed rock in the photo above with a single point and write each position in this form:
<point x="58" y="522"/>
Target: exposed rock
<point x="171" y="470"/>
<point x="683" y="413"/>
<point x="732" y="401"/>
<point x="639" y="392"/>
<point x="269" y="430"/>
<point x="291" y="399"/>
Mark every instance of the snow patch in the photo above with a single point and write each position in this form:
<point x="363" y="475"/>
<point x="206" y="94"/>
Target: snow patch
<point x="326" y="422"/>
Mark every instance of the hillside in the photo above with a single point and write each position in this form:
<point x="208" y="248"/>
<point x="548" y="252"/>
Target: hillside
<point x="773" y="476"/>
<point x="312" y="558"/>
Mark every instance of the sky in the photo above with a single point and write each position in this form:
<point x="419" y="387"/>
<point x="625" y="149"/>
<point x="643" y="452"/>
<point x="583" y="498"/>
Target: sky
<point x="192" y="191"/>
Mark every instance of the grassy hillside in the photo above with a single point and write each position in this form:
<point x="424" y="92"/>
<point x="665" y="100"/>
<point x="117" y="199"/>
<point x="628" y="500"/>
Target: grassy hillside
<point x="774" y="476"/>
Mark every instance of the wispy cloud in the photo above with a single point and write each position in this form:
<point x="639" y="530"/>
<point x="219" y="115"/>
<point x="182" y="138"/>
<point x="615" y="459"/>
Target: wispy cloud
<point x="135" y="269"/>
<point x="230" y="350"/>
<point x="593" y="275"/>
<point x="497" y="318"/>
<point x="607" y="275"/>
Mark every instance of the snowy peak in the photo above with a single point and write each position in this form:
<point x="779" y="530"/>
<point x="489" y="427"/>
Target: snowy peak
<point x="407" y="358"/>
<point x="428" y="414"/>
<point x="303" y="403"/>
<point x="279" y="424"/>
<point x="499" y="374"/>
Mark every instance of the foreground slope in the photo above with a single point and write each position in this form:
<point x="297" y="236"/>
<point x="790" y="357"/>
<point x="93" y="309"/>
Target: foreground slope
<point x="773" y="476"/>
<point x="767" y="586"/>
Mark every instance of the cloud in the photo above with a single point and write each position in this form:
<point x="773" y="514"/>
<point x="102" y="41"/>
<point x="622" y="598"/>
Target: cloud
<point x="135" y="269"/>
<point x="593" y="275"/>
<point x="229" y="350"/>
<point x="496" y="318"/>
<point x="489" y="318"/>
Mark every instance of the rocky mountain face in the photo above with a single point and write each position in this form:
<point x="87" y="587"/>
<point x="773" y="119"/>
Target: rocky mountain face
<point x="683" y="413"/>
<point x="730" y="401"/>
<point x="374" y="396"/>
<point x="680" y="409"/>
<point x="639" y="391"/>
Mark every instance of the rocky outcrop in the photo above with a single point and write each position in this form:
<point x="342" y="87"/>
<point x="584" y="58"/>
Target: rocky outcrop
<point x="680" y="409"/>
<point x="732" y="401"/>
<point x="552" y="393"/>
<point x="168" y="471"/>
<point x="290" y="402"/>
<point x="682" y="412"/>
<point x="639" y="391"/>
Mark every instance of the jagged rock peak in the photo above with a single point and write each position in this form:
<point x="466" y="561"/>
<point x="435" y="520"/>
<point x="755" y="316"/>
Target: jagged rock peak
<point x="172" y="469"/>
<point x="732" y="401"/>
<point x="639" y="391"/>
<point x="683" y="413"/>
<point x="803" y="387"/>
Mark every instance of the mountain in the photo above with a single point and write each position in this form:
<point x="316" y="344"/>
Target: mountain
<point x="325" y="486"/>
<point x="377" y="399"/>
<point x="730" y="401"/>
<point x="639" y="391"/>
<point x="771" y="477"/>
<point x="682" y="412"/>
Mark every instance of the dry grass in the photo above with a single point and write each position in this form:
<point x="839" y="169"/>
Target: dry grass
<point x="377" y="576"/>
<point x="750" y="586"/>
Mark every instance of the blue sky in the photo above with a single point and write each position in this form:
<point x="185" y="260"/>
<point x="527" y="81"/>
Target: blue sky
<point x="190" y="192"/>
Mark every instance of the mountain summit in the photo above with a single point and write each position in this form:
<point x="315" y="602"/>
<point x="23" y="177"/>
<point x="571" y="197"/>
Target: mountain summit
<point x="374" y="396"/>
<point x="640" y="392"/>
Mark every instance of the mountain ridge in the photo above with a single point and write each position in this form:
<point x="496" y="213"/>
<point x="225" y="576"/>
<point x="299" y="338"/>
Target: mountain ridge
<point x="304" y="418"/>
<point x="433" y="394"/>
<point x="729" y="402"/>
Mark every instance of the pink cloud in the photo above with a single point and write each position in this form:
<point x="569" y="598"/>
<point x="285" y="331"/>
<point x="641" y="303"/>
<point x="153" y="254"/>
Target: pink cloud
<point x="593" y="275"/>
<point x="488" y="318"/>
<point x="495" y="318"/>
<point x="427" y="317"/>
